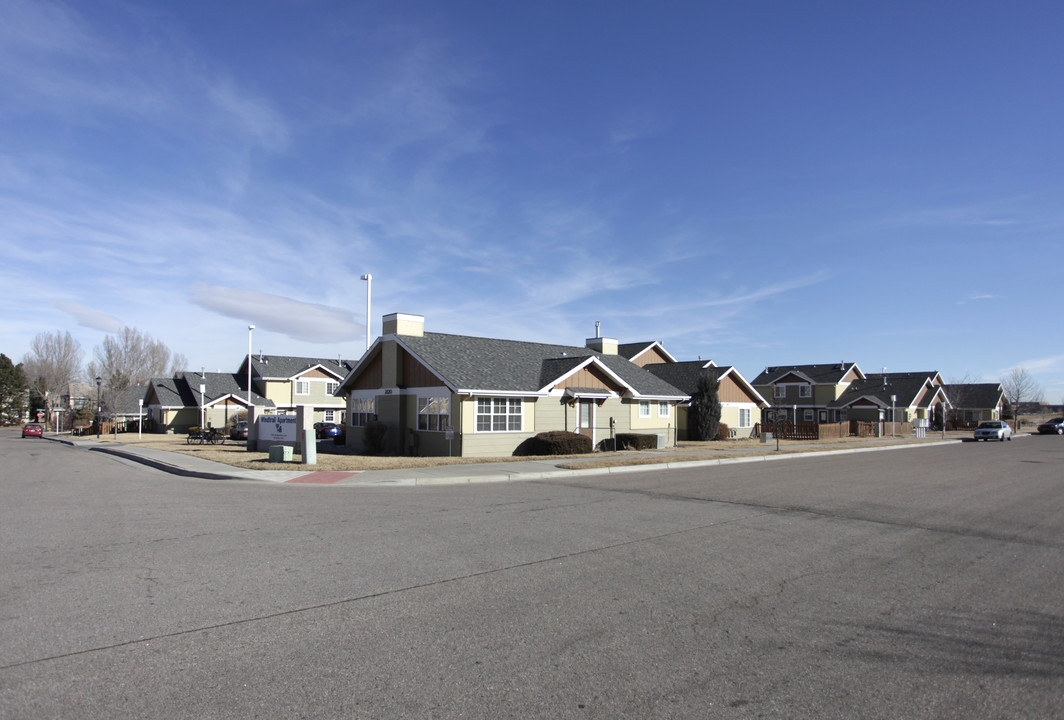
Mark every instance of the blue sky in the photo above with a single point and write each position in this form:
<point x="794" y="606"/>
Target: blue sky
<point x="760" y="183"/>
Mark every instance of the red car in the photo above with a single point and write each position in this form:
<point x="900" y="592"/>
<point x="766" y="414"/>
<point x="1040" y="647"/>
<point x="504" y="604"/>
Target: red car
<point x="32" y="430"/>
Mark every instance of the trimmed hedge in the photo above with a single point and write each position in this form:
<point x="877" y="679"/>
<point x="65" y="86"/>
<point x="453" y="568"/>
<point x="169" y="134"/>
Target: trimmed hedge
<point x="636" y="441"/>
<point x="558" y="442"/>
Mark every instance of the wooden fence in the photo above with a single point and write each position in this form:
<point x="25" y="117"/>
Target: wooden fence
<point x="837" y="430"/>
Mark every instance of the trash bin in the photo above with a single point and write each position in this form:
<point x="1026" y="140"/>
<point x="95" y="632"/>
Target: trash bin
<point x="280" y="453"/>
<point x="766" y="437"/>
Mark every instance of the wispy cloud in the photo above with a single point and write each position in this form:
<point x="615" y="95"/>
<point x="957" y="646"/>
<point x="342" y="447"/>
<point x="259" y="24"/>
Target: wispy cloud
<point x="90" y="317"/>
<point x="1053" y="363"/>
<point x="973" y="297"/>
<point x="309" y="322"/>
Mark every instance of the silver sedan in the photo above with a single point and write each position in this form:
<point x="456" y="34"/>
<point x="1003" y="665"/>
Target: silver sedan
<point x="993" y="430"/>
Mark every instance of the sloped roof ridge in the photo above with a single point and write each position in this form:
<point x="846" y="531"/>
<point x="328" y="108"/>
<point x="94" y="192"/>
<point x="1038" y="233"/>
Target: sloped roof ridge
<point x="527" y="343"/>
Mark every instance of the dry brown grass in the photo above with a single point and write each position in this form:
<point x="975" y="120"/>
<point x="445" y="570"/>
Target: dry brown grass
<point x="235" y="454"/>
<point x="336" y="459"/>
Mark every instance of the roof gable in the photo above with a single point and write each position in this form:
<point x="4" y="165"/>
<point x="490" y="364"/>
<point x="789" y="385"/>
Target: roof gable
<point x="288" y="367"/>
<point x="645" y="353"/>
<point x="490" y="365"/>
<point x="685" y="375"/>
<point x="901" y="390"/>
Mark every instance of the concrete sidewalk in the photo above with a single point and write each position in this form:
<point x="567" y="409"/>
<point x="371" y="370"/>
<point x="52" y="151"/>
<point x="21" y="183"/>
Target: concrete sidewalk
<point x="189" y="466"/>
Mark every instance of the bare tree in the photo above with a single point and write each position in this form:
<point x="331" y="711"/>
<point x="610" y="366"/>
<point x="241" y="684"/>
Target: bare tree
<point x="133" y="358"/>
<point x="53" y="362"/>
<point x="1020" y="386"/>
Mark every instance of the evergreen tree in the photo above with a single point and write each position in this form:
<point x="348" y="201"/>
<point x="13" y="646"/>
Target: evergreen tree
<point x="12" y="391"/>
<point x="704" y="413"/>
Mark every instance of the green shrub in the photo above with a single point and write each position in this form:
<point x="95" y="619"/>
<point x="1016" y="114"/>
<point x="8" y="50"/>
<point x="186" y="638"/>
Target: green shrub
<point x="373" y="436"/>
<point x="559" y="442"/>
<point x="636" y="441"/>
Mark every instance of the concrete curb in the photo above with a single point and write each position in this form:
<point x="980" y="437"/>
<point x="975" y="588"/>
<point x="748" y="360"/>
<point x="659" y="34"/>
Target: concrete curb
<point x="164" y="466"/>
<point x="756" y="458"/>
<point x="441" y="477"/>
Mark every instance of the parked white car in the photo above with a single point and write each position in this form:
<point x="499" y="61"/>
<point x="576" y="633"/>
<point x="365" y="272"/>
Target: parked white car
<point x="993" y="430"/>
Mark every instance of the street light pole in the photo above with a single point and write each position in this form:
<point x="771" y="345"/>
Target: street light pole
<point x="99" y="408"/>
<point x="369" y="286"/>
<point x="140" y="417"/>
<point x="201" y="400"/>
<point x="250" y="328"/>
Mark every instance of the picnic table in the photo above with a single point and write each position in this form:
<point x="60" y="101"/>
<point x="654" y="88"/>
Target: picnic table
<point x="200" y="436"/>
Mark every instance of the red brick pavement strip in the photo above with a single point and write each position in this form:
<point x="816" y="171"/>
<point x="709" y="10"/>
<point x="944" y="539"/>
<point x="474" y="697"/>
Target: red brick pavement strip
<point x="322" y="477"/>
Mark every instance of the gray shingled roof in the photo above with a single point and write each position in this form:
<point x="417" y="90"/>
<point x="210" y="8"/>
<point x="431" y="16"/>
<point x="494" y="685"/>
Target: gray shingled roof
<point x="684" y="375"/>
<point x="493" y="365"/>
<point x="974" y="395"/>
<point x="829" y="374"/>
<point x="183" y="391"/>
<point x="288" y="366"/>
<point x="903" y="386"/>
<point x="125" y="402"/>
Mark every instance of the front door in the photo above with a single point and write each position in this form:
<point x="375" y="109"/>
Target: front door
<point x="586" y="423"/>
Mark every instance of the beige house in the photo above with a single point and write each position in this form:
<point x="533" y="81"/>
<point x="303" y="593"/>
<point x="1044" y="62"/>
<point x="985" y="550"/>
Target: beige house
<point x="974" y="402"/>
<point x="740" y="403"/>
<point x="178" y="403"/>
<point x="441" y="394"/>
<point x="289" y="383"/>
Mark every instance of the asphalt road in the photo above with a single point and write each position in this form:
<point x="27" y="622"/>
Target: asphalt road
<point x="923" y="583"/>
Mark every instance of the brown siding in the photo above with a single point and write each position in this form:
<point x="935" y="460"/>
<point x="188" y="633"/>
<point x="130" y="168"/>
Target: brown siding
<point x="590" y="378"/>
<point x="654" y="357"/>
<point x="415" y="374"/>
<point x="731" y="392"/>
<point x="370" y="377"/>
<point x="318" y="373"/>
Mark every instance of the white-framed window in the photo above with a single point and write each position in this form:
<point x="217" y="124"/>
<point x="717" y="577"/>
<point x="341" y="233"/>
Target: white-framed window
<point x="499" y="415"/>
<point x="331" y="387"/>
<point x="744" y="417"/>
<point x="330" y="416"/>
<point x="805" y="391"/>
<point x="433" y="413"/>
<point x="644" y="408"/>
<point x="779" y="391"/>
<point x="362" y="411"/>
<point x="663" y="410"/>
<point x="809" y="416"/>
<point x="302" y="387"/>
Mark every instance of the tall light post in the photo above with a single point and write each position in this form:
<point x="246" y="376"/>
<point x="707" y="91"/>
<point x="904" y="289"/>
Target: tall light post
<point x="369" y="286"/>
<point x="99" y="408"/>
<point x="140" y="417"/>
<point x="201" y="401"/>
<point x="250" y="328"/>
